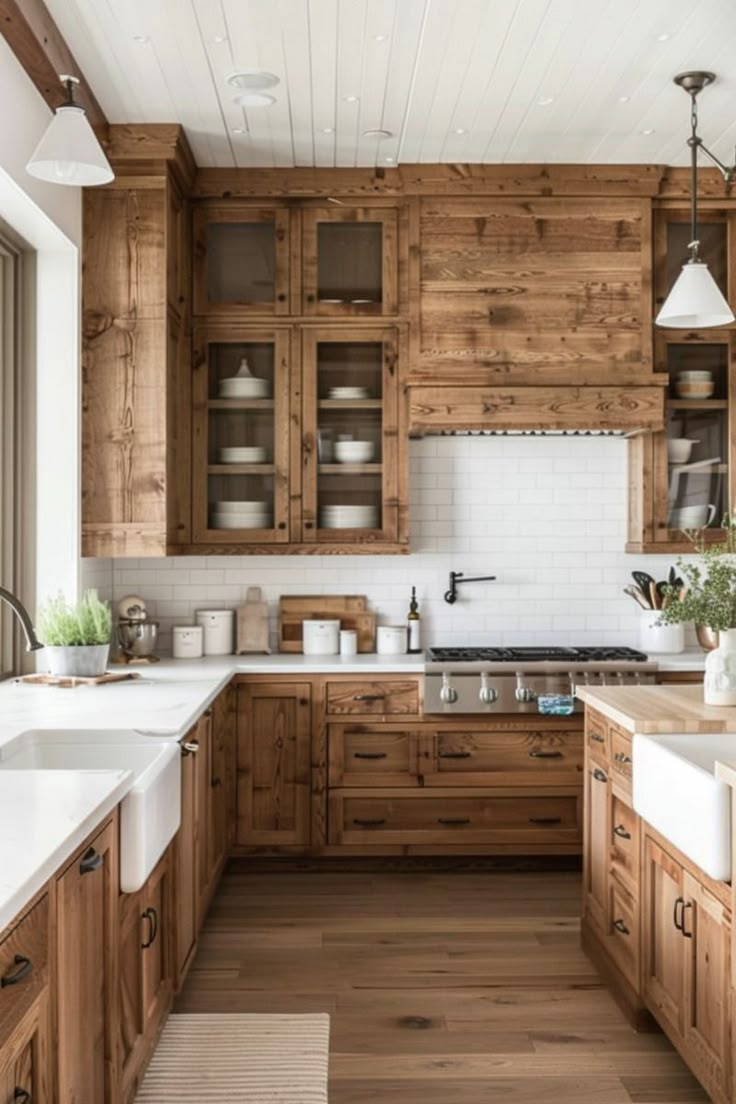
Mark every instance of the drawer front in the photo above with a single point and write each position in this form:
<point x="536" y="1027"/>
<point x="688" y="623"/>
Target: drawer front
<point x="623" y="939"/>
<point x="596" y="734"/>
<point x="24" y="956"/>
<point x="621" y="758"/>
<point x="515" y="758"/>
<point x="625" y="843"/>
<point x="373" y="698"/>
<point x="365" y="756"/>
<point x="453" y="818"/>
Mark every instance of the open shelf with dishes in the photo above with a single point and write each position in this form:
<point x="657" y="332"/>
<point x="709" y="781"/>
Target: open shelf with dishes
<point x="682" y="478"/>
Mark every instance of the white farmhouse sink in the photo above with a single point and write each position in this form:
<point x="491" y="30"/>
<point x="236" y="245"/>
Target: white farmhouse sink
<point x="151" y="810"/>
<point x="676" y="791"/>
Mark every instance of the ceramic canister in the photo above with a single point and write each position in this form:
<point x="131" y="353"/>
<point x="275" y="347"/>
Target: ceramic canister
<point x="188" y="641"/>
<point x="218" y="626"/>
<point x="320" y="637"/>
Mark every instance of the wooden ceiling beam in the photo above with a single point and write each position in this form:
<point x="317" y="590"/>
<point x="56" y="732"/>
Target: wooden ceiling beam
<point x="41" y="49"/>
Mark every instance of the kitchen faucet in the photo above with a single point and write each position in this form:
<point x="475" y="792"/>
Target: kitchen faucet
<point x="20" y="611"/>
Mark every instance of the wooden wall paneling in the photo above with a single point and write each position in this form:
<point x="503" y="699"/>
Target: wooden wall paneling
<point x="178" y="430"/>
<point x="647" y="286"/>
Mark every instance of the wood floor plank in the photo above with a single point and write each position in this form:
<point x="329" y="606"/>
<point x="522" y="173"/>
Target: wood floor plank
<point x="448" y="987"/>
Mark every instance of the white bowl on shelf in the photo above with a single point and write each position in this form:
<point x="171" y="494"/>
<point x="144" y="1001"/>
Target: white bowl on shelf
<point x="244" y="387"/>
<point x="242" y="521"/>
<point x="244" y="507"/>
<point x="241" y="455"/>
<point x="348" y="393"/>
<point x="354" y="452"/>
<point x="679" y="449"/>
<point x="349" y="517"/>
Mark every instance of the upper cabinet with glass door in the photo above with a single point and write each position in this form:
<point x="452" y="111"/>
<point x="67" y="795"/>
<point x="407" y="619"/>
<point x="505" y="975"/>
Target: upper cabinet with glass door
<point x="683" y="477"/>
<point x="350" y="261"/>
<point x="241" y="261"/>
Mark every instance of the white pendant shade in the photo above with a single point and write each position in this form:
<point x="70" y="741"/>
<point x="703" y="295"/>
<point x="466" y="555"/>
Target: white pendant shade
<point x="695" y="301"/>
<point x="69" y="152"/>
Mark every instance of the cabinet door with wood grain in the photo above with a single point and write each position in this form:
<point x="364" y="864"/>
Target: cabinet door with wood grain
<point x="241" y="260"/>
<point x="664" y="951"/>
<point x="273" y="783"/>
<point x="24" y="1059"/>
<point x="86" y="973"/>
<point x="350" y="261"/>
<point x="596" y="844"/>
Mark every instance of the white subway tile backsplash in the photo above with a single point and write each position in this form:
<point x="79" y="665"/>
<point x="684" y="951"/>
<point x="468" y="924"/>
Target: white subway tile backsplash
<point x="546" y="515"/>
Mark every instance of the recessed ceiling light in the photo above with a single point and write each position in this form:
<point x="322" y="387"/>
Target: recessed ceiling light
<point x="545" y="101"/>
<point x="252" y="80"/>
<point x="328" y="130"/>
<point x="390" y="158"/>
<point x="623" y="99"/>
<point x="380" y="38"/>
<point x="460" y="130"/>
<point x="664" y="37"/>
<point x="219" y="39"/>
<point x="254" y="99"/>
<point x="350" y="99"/>
<point x="239" y="130"/>
<point x="378" y="134"/>
<point x="141" y="39"/>
<point x="648" y="131"/>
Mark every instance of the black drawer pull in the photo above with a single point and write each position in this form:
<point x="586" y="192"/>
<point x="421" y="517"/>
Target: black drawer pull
<point x="190" y="747"/>
<point x="599" y="775"/>
<point x="538" y="753"/>
<point x="453" y="822"/>
<point x="622" y="757"/>
<point x="368" y="697"/>
<point x="621" y="832"/>
<point x="369" y="823"/>
<point x="91" y="861"/>
<point x="596" y="736"/>
<point x="215" y="783"/>
<point x="22" y="1096"/>
<point x="455" y="755"/>
<point x="685" y="905"/>
<point x="369" y="755"/>
<point x="678" y="902"/>
<point x="545" y="820"/>
<point x="621" y="927"/>
<point x="24" y="968"/>
<point x="147" y="916"/>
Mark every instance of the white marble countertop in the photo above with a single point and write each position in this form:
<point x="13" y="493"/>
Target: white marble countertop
<point x="44" y="816"/>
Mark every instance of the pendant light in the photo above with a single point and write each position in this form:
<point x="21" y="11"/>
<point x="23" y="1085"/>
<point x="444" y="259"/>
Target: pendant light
<point x="695" y="301"/>
<point x="69" y="152"/>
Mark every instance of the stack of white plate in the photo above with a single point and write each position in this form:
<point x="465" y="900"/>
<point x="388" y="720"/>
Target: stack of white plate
<point x="349" y="517"/>
<point x="253" y="455"/>
<point x="244" y="387"/>
<point x="241" y="515"/>
<point x="348" y="393"/>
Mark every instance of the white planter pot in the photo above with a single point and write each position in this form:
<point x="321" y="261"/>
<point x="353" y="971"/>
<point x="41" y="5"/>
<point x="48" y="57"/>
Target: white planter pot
<point x="78" y="661"/>
<point x="659" y="639"/>
<point x="719" y="683"/>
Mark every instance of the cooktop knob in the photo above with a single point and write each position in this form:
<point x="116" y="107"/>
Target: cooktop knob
<point x="523" y="693"/>
<point x="487" y="693"/>
<point x="448" y="693"/>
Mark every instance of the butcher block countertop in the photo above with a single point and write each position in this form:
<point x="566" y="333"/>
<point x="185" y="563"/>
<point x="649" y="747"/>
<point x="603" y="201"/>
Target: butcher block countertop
<point x="653" y="709"/>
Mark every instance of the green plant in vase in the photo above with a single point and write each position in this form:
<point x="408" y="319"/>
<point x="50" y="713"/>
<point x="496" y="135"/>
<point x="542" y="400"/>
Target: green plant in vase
<point x="76" y="635"/>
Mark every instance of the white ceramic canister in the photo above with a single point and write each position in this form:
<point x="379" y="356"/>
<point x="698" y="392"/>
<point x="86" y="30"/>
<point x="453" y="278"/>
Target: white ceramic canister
<point x="218" y="626"/>
<point x="348" y="642"/>
<point x="320" y="637"/>
<point x="187" y="641"/>
<point x="719" y="684"/>
<point x="391" y="639"/>
<point x="662" y="639"/>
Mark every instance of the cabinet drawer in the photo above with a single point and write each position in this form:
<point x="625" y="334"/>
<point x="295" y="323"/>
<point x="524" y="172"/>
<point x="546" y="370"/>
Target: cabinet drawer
<point x="455" y="817"/>
<point x="623" y="940"/>
<point x="362" y="697"/>
<point x="621" y="759"/>
<point x="24" y="955"/>
<point x="596" y="734"/>
<point x="624" y="843"/>
<point x="516" y="758"/>
<point x="382" y="755"/>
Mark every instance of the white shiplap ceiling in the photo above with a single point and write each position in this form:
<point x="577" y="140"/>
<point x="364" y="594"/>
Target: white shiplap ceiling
<point x="483" y="81"/>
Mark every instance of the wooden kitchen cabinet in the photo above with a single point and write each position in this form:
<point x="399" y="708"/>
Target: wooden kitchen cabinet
<point x="185" y="877"/>
<point x="24" y="1007"/>
<point x="146" y="973"/>
<point x="86" y="979"/>
<point x="241" y="260"/>
<point x="350" y="261"/>
<point x="24" y="1059"/>
<point x="596" y="837"/>
<point x="274" y="764"/>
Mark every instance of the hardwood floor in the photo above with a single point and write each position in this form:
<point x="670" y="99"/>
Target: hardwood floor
<point x="443" y="988"/>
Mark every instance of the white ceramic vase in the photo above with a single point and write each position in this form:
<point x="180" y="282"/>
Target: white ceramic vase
<point x="719" y="684"/>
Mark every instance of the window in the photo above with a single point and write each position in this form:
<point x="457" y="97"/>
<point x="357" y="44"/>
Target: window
<point x="10" y="434"/>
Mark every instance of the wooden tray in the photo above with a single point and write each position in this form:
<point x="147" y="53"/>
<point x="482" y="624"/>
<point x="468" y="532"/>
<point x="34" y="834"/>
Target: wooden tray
<point x="71" y="681"/>
<point x="351" y="610"/>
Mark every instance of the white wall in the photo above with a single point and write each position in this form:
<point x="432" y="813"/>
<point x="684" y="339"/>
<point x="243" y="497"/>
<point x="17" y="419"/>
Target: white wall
<point x="49" y="219"/>
<point x="547" y="515"/>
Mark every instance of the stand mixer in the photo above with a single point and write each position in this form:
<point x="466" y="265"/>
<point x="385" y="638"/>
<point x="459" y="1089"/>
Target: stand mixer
<point x="137" y="635"/>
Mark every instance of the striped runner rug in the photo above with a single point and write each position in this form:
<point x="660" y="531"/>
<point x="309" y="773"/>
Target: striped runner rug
<point x="238" y="1058"/>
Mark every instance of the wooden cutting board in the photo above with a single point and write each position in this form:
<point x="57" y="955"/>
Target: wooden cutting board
<point x="71" y="681"/>
<point x="351" y="610"/>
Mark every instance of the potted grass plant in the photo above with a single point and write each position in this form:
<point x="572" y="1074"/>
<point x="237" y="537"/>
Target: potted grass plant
<point x="77" y="635"/>
<point x="709" y="600"/>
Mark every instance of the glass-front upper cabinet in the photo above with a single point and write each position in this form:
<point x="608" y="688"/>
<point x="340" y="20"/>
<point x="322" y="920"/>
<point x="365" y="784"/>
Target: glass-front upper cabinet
<point x="350" y="261"/>
<point x="352" y="454"/>
<point x="241" y="261"/>
<point x="241" y="436"/>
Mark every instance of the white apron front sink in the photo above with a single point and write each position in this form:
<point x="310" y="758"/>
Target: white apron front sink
<point x="150" y="812"/>
<point x="676" y="791"/>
